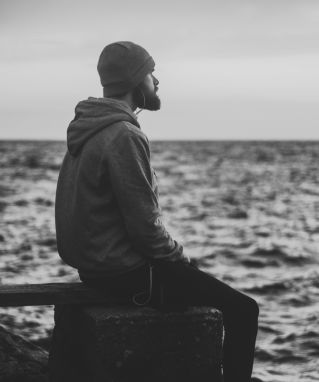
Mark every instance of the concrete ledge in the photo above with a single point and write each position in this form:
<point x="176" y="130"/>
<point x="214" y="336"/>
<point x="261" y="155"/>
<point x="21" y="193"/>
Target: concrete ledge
<point x="123" y="344"/>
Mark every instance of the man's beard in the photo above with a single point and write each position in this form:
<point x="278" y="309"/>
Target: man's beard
<point x="145" y="99"/>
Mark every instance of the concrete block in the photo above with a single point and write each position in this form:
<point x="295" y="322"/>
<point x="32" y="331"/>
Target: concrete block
<point x="127" y="343"/>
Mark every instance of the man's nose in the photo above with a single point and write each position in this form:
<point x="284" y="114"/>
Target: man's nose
<point x="156" y="81"/>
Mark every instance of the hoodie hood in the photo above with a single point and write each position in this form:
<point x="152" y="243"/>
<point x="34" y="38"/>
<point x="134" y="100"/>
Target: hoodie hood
<point x="93" y="115"/>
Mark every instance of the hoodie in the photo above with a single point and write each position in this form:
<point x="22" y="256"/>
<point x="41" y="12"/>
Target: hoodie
<point x="108" y="218"/>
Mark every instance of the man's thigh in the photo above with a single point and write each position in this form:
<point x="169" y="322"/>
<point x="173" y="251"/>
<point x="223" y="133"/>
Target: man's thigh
<point x="182" y="284"/>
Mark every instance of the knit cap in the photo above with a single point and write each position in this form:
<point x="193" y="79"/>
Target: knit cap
<point x="122" y="66"/>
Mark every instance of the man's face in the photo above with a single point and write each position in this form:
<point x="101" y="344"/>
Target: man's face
<point x="145" y="96"/>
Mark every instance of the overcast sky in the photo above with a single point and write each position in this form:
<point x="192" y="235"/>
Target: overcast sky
<point x="228" y="69"/>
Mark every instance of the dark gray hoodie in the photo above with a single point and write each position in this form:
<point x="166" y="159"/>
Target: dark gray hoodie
<point x="108" y="218"/>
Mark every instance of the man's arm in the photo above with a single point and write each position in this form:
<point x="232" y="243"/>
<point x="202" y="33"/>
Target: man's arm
<point x="131" y="178"/>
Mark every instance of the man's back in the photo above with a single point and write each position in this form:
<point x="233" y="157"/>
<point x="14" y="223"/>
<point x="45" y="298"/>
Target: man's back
<point x="90" y="228"/>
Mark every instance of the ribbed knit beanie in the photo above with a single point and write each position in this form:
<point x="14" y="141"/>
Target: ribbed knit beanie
<point x="122" y="66"/>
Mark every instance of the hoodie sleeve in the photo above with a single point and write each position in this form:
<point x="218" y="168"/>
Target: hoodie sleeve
<point x="132" y="181"/>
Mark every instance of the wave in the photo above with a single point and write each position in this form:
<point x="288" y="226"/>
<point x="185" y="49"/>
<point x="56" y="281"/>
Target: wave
<point x="255" y="263"/>
<point x="3" y="205"/>
<point x="43" y="201"/>
<point x="6" y="190"/>
<point x="275" y="256"/>
<point x="270" y="288"/>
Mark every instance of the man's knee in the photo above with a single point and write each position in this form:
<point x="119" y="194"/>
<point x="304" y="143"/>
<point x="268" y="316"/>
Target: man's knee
<point x="247" y="309"/>
<point x="253" y="308"/>
<point x="240" y="311"/>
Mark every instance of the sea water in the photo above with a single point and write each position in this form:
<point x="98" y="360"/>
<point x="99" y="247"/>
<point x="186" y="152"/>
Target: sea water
<point x="248" y="212"/>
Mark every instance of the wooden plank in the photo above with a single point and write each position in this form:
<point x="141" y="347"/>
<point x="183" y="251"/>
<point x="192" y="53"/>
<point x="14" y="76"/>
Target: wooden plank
<point x="52" y="294"/>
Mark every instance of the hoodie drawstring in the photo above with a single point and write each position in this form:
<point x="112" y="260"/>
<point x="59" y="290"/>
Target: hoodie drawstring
<point x="144" y="293"/>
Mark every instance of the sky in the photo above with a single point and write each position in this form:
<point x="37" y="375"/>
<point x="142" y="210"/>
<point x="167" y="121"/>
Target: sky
<point x="228" y="69"/>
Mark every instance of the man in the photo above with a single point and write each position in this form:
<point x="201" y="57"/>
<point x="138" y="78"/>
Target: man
<point x="108" y="218"/>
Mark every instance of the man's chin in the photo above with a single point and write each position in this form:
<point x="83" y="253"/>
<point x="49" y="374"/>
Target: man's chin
<point x="147" y="101"/>
<point x="153" y="103"/>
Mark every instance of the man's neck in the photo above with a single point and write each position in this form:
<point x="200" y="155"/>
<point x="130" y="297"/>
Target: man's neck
<point x="127" y="98"/>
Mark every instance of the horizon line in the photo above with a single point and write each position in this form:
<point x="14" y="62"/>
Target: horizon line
<point x="179" y="140"/>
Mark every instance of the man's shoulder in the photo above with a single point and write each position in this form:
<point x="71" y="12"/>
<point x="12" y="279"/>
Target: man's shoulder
<point x="126" y="130"/>
<point x="131" y="129"/>
<point x="118" y="134"/>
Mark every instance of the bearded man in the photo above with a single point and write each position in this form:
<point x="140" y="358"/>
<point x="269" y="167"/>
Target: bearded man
<point x="108" y="217"/>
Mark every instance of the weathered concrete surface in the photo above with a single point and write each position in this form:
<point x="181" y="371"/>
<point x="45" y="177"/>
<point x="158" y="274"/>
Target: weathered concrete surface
<point x="20" y="360"/>
<point x="126" y="344"/>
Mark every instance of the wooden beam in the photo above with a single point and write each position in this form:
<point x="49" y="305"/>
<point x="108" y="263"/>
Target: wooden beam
<point x="52" y="294"/>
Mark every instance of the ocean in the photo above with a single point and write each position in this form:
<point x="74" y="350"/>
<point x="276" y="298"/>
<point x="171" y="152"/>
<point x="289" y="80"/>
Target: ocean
<point x="247" y="211"/>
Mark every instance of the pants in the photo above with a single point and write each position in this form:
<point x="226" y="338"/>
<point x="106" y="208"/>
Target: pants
<point x="175" y="285"/>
